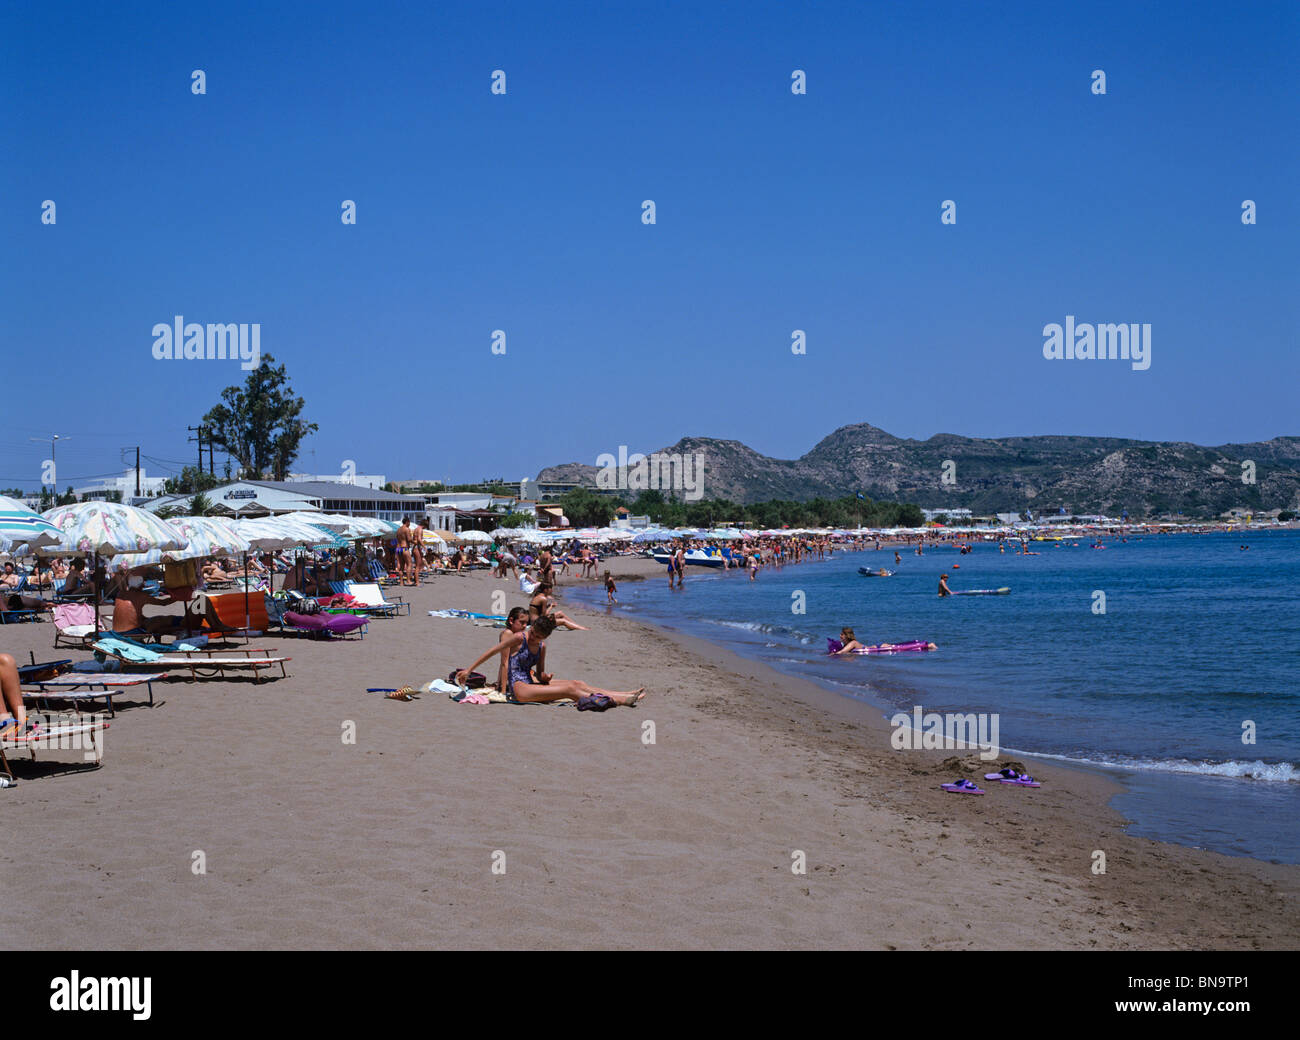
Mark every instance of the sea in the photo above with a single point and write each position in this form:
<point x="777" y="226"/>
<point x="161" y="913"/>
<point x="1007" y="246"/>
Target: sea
<point x="1169" y="662"/>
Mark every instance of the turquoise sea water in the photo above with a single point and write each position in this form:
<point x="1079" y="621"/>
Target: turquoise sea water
<point x="1198" y="639"/>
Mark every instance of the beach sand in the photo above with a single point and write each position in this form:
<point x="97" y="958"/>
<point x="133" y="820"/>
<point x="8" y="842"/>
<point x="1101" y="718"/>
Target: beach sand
<point x="608" y="841"/>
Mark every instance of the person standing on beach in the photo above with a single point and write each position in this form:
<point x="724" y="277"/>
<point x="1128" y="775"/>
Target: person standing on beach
<point x="403" y="551"/>
<point x="417" y="551"/>
<point x="546" y="567"/>
<point x="610" y="588"/>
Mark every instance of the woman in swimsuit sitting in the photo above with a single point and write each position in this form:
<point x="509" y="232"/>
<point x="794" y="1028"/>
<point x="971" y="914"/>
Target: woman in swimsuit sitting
<point x="542" y="604"/>
<point x="526" y="651"/>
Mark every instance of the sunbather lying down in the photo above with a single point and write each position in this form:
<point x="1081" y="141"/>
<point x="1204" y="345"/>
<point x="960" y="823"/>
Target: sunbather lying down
<point x="525" y="654"/>
<point x="14" y="720"/>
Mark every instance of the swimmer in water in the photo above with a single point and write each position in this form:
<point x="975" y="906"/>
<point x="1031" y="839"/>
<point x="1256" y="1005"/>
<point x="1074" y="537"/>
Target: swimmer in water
<point x="943" y="586"/>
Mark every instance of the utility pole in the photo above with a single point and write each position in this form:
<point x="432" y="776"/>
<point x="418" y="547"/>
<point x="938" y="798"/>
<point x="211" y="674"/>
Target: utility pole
<point x="200" y="431"/>
<point x="137" y="471"/>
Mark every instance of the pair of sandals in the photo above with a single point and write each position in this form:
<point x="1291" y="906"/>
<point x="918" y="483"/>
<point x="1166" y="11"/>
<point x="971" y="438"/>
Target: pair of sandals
<point x="596" y="702"/>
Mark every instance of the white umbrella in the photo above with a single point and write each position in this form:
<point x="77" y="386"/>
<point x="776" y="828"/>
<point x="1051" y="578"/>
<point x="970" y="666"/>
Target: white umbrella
<point x="475" y="536"/>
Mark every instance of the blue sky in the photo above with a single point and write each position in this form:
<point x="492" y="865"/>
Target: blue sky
<point x="522" y="212"/>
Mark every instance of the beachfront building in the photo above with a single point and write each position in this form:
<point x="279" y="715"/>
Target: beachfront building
<point x="365" y="480"/>
<point x="542" y="490"/>
<point x="273" y="497"/>
<point x="124" y="486"/>
<point x="952" y="514"/>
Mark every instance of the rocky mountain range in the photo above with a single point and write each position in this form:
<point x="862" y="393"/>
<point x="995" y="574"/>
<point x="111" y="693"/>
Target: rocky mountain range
<point x="1002" y="474"/>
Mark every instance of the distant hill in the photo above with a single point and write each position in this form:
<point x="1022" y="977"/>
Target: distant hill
<point x="1005" y="474"/>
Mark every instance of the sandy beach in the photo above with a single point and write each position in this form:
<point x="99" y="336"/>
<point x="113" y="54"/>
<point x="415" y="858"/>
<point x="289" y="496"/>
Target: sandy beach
<point x="608" y="841"/>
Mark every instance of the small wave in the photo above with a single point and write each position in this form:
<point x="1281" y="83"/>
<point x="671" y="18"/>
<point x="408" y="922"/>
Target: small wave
<point x="1274" y="772"/>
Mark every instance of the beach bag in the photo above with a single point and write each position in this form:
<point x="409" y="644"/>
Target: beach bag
<point x="474" y="680"/>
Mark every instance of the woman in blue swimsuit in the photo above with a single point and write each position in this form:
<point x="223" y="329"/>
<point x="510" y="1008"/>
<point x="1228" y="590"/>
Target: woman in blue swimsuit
<point x="527" y="651"/>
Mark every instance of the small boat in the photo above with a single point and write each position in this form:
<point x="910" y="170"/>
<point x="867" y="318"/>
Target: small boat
<point x="699" y="557"/>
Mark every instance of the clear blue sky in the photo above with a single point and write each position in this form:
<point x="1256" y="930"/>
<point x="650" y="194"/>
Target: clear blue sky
<point x="775" y="212"/>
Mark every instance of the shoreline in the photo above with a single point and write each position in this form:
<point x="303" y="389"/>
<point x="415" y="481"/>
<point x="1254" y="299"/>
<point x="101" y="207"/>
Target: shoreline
<point x="311" y="842"/>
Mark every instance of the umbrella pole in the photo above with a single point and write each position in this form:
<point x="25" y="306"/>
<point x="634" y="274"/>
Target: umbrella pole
<point x="247" y="619"/>
<point x="96" y="584"/>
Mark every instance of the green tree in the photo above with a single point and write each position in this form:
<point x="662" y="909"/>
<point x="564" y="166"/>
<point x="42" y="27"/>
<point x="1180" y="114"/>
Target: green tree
<point x="67" y="498"/>
<point x="191" y="479"/>
<point x="585" y="508"/>
<point x="260" y="424"/>
<point x="199" y="505"/>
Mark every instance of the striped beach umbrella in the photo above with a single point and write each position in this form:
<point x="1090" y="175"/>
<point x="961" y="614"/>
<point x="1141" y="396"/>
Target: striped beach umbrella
<point x="20" y="526"/>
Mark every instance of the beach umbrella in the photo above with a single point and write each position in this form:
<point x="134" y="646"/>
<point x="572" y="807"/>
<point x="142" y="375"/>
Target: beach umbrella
<point x="475" y="536"/>
<point x="108" y="529"/>
<point x="20" y="526"/>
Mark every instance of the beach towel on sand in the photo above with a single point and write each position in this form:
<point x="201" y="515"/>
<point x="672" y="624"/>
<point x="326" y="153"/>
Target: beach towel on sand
<point x="460" y="693"/>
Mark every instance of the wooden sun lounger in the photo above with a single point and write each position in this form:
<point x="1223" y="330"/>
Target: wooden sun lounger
<point x="67" y="687"/>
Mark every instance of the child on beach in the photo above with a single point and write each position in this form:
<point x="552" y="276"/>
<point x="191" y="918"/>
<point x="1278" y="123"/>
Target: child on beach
<point x="610" y="588"/>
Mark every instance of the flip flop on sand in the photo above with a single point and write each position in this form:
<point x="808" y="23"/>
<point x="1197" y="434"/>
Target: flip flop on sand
<point x="961" y="787"/>
<point x="1021" y="780"/>
<point x="406" y="693"/>
<point x="1004" y="774"/>
<point x="595" y="702"/>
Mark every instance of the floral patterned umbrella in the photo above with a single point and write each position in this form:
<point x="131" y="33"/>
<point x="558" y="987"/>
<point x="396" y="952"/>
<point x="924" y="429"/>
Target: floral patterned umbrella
<point x="109" y="529"/>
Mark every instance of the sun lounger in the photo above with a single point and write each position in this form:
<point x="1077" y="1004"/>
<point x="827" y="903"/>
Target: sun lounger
<point x="56" y="733"/>
<point x="229" y="607"/>
<point x="134" y="656"/>
<point x="74" y="624"/>
<point x="370" y="597"/>
<point x="81" y="686"/>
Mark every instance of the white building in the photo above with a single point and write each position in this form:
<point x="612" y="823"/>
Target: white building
<point x="374" y="481"/>
<point x="123" y="485"/>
